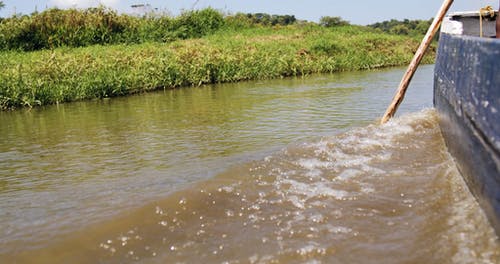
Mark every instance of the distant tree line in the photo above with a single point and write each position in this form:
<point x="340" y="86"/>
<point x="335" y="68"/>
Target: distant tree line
<point x="403" y="27"/>
<point x="264" y="19"/>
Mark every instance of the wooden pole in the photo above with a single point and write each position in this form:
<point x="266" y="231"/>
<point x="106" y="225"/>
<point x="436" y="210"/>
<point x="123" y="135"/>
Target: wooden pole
<point x="426" y="41"/>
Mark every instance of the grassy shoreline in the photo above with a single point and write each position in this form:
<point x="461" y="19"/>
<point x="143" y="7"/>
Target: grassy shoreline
<point x="29" y="79"/>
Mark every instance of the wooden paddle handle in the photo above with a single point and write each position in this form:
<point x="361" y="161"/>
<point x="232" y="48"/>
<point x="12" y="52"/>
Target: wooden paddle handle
<point x="398" y="97"/>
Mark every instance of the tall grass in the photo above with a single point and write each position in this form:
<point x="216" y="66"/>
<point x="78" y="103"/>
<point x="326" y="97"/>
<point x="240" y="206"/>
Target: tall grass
<point x="228" y="55"/>
<point x="77" y="28"/>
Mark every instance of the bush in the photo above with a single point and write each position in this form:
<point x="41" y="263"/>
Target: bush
<point x="239" y="21"/>
<point x="56" y="28"/>
<point x="195" y="24"/>
<point x="264" y="19"/>
<point x="328" y="21"/>
<point x="327" y="47"/>
<point x="403" y="27"/>
<point x="76" y="28"/>
<point x="400" y="30"/>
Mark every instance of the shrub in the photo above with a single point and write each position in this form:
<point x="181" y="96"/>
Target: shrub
<point x="76" y="28"/>
<point x="403" y="27"/>
<point x="55" y="28"/>
<point x="195" y="24"/>
<point x="239" y="21"/>
<point x="400" y="30"/>
<point x="328" y="21"/>
<point x="326" y="47"/>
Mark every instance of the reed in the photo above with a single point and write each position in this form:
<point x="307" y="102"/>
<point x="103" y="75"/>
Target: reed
<point x="55" y="28"/>
<point x="228" y="55"/>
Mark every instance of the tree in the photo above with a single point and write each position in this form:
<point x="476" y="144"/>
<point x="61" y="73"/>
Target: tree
<point x="423" y="26"/>
<point x="2" y="5"/>
<point x="404" y="27"/>
<point x="400" y="30"/>
<point x="328" y="21"/>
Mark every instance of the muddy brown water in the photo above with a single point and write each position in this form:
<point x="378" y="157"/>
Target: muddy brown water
<point x="280" y="171"/>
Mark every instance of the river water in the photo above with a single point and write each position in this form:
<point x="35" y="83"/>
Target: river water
<point x="280" y="171"/>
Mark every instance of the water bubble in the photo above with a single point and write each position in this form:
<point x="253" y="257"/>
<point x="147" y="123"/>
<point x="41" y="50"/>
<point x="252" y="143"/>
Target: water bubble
<point x="311" y="250"/>
<point x="227" y="189"/>
<point x="255" y="207"/>
<point x="105" y="246"/>
<point x="124" y="240"/>
<point x="317" y="218"/>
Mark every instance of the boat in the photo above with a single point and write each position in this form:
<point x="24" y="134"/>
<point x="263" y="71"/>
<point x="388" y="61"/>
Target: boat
<point x="467" y="99"/>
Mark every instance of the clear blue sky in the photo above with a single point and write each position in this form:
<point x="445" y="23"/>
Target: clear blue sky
<point x="355" y="11"/>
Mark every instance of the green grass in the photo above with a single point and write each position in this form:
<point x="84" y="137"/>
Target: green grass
<point x="55" y="28"/>
<point x="71" y="74"/>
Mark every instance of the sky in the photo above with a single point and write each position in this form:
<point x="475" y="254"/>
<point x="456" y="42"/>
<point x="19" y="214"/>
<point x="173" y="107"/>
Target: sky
<point x="355" y="11"/>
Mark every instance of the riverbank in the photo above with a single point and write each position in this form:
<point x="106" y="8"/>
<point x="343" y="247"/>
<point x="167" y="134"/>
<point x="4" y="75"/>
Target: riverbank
<point x="46" y="77"/>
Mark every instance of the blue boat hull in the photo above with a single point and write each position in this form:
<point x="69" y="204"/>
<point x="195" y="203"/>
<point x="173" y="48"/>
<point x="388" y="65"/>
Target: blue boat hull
<point x="467" y="98"/>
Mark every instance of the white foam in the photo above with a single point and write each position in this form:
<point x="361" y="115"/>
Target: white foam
<point x="322" y="168"/>
<point x="313" y="163"/>
<point x="298" y="193"/>
<point x="348" y="174"/>
<point x="339" y="229"/>
<point x="313" y="249"/>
